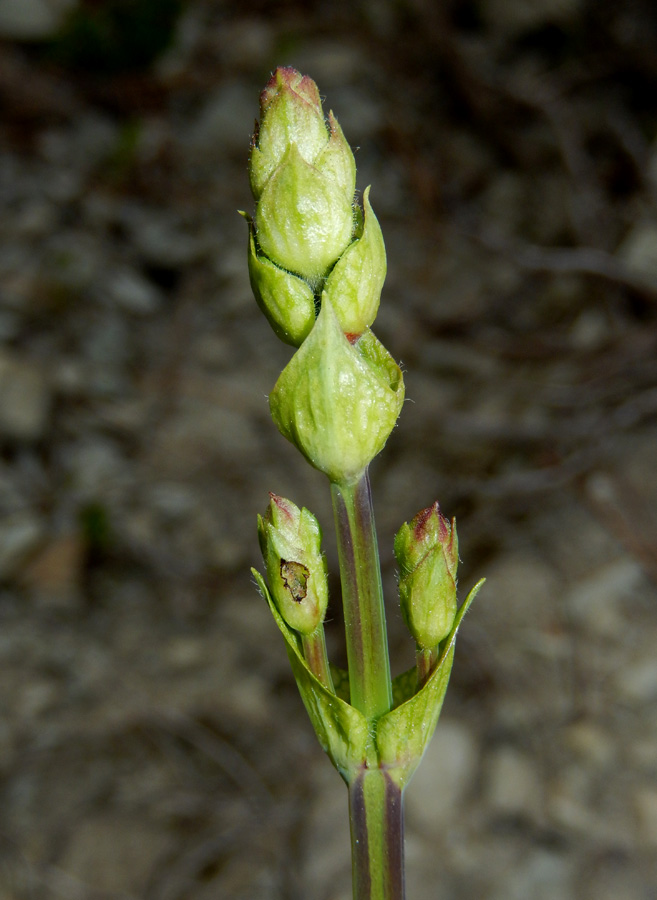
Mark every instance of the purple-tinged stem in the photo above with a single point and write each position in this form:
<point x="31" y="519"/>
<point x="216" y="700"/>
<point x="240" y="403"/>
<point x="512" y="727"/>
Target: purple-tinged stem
<point x="376" y="814"/>
<point x="314" y="651"/>
<point x="362" y="598"/>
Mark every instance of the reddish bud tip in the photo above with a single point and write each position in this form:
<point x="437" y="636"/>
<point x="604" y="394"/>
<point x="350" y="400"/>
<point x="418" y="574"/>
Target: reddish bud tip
<point x="290" y="79"/>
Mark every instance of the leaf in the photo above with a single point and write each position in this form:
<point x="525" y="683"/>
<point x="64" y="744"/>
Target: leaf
<point x="342" y="731"/>
<point x="403" y="734"/>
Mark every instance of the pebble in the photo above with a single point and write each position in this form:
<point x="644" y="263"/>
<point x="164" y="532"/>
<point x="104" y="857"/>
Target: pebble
<point x="25" y="399"/>
<point x="185" y="653"/>
<point x="162" y="239"/>
<point x="637" y="681"/>
<point x="114" y="854"/>
<point x="513" y="786"/>
<point x="54" y="576"/>
<point x="201" y="433"/>
<point x="612" y="878"/>
<point x="132" y="292"/>
<point x="444" y="779"/>
<point x="326" y="840"/>
<point x="95" y="469"/>
<point x="20" y="536"/>
<point x="596" y="600"/>
<point x="524" y="588"/>
<point x="38" y="697"/>
<point x="541" y="875"/>
<point x="645" y="804"/>
<point x="591" y="743"/>
<point x="225" y="123"/>
<point x="639" y="250"/>
<point x="71" y="263"/>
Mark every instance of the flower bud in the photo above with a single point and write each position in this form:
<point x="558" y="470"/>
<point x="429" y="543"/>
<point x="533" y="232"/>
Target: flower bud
<point x="285" y="299"/>
<point x="337" y="402"/>
<point x="290" y="541"/>
<point x="304" y="220"/>
<point x="355" y="283"/>
<point x="427" y="553"/>
<point x="303" y="177"/>
<point x="291" y="113"/>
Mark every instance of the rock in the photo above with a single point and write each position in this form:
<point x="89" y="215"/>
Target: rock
<point x="162" y="239"/>
<point x="591" y="744"/>
<point x="541" y="875"/>
<point x="37" y="698"/>
<point x="20" y="536"/>
<point x="224" y="124"/>
<point x="524" y="587"/>
<point x="201" y="434"/>
<point x="96" y="470"/>
<point x="132" y="292"/>
<point x="645" y="804"/>
<point x="32" y="20"/>
<point x="637" y="681"/>
<point x="639" y="250"/>
<point x="54" y="575"/>
<point x="326" y="871"/>
<point x="24" y="399"/>
<point x="576" y="804"/>
<point x="569" y="800"/>
<point x="185" y="653"/>
<point x="512" y="784"/>
<point x="596" y="601"/>
<point x="114" y="854"/>
<point x="443" y="780"/>
<point x="613" y="877"/>
<point x="71" y="262"/>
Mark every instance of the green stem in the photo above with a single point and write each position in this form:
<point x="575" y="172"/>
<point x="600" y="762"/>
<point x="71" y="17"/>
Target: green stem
<point x="362" y="598"/>
<point x="314" y="651"/>
<point x="377" y="836"/>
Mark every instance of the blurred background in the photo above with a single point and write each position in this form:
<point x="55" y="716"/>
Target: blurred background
<point x="152" y="742"/>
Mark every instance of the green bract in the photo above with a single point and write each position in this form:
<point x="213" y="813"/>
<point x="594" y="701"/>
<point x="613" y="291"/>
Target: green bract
<point x="285" y="299"/>
<point x="398" y="739"/>
<point x="290" y="540"/>
<point x="427" y="553"/>
<point x="354" y="286"/>
<point x="337" y="402"/>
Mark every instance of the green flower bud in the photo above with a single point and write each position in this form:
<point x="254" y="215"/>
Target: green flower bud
<point x="355" y="283"/>
<point x="290" y="541"/>
<point x="303" y="177"/>
<point x="304" y="221"/>
<point x="291" y="113"/>
<point x="427" y="553"/>
<point x="337" y="402"/>
<point x="286" y="300"/>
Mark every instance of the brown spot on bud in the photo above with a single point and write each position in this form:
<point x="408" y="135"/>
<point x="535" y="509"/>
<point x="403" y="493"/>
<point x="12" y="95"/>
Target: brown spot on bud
<point x="295" y="578"/>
